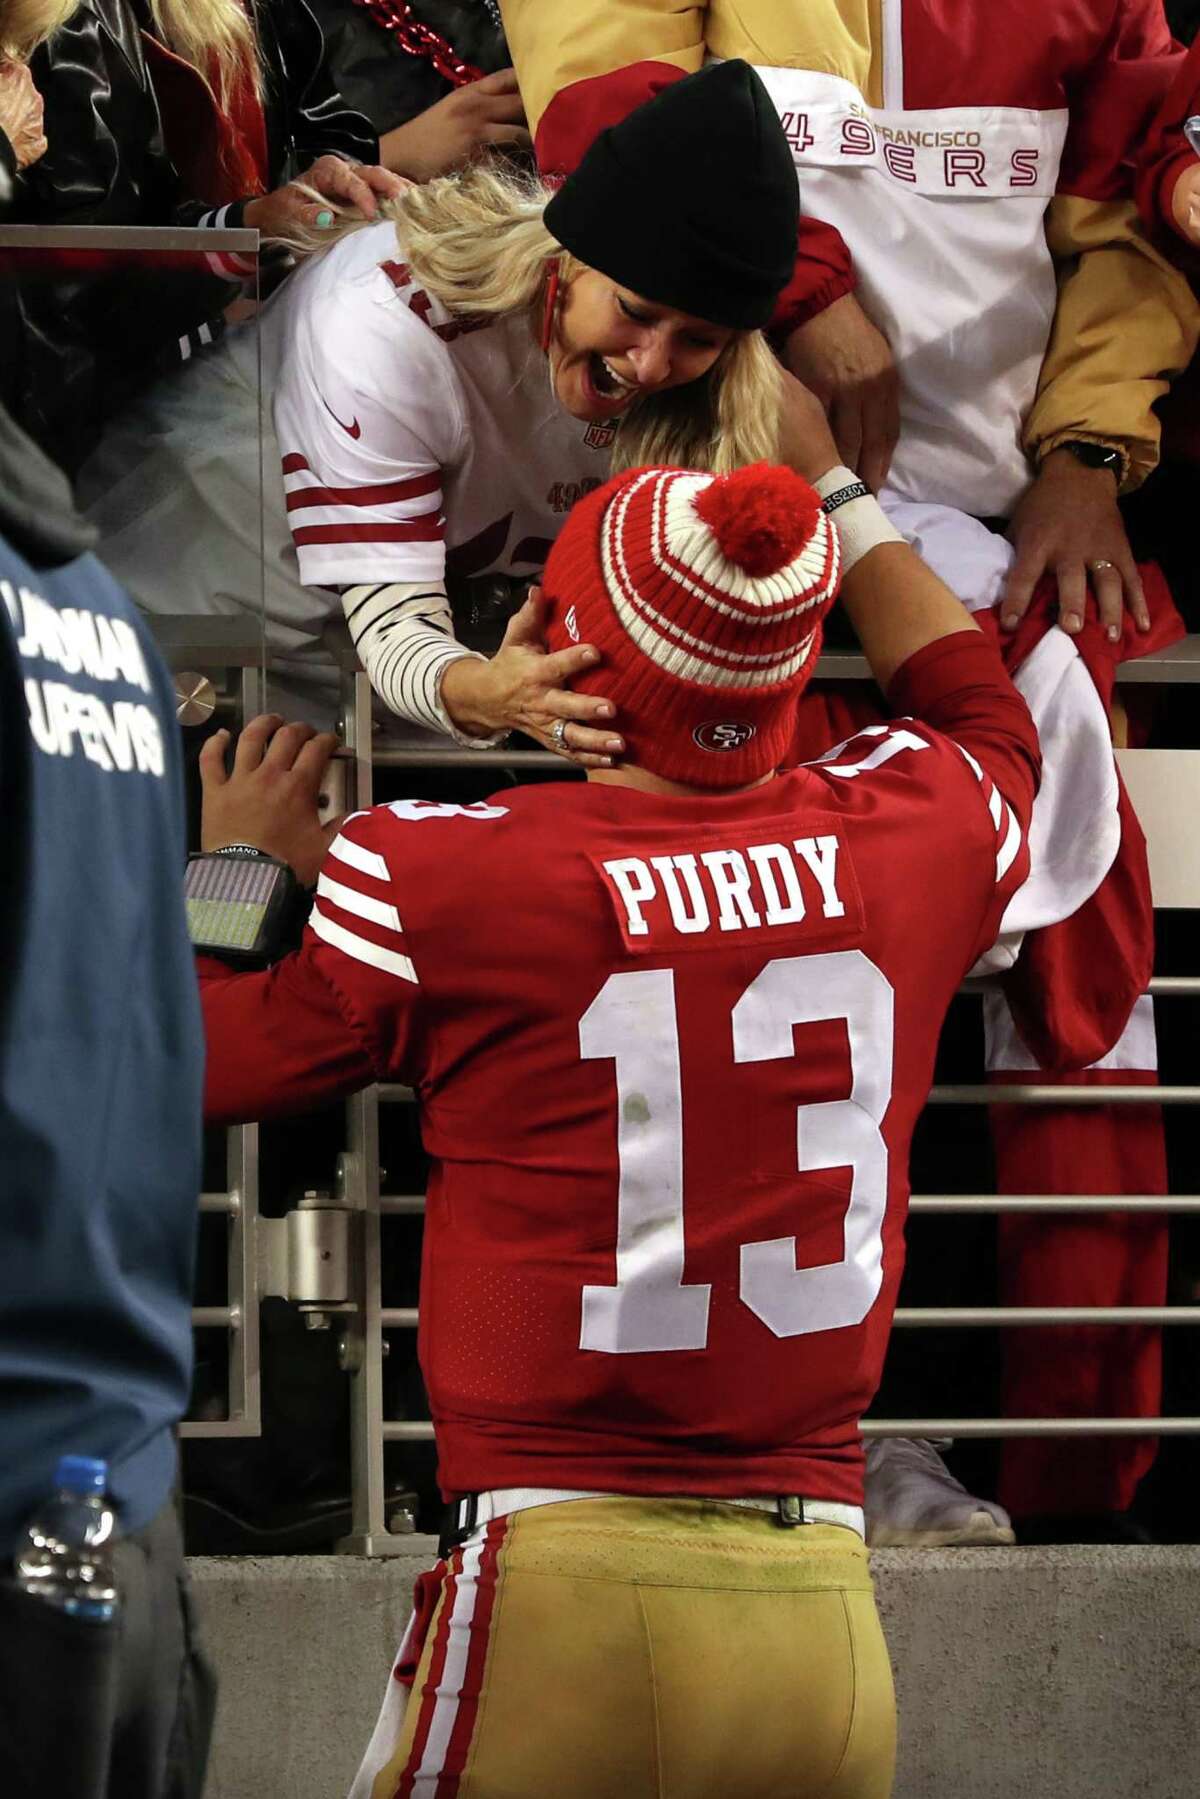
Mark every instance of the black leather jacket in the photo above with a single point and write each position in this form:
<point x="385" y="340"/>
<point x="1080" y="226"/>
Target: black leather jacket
<point x="83" y="343"/>
<point x="307" y="115"/>
<point x="386" y="82"/>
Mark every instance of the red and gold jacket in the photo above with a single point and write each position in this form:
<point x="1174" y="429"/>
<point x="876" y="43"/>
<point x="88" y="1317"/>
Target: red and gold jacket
<point x="970" y="165"/>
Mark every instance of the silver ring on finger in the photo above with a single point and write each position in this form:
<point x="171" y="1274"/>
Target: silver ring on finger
<point x="1099" y="567"/>
<point x="558" y="731"/>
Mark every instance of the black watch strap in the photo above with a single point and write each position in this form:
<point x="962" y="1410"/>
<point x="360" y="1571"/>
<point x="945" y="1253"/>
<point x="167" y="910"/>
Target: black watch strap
<point x="1093" y="455"/>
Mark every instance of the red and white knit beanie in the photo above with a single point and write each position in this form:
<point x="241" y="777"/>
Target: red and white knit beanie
<point x="705" y="596"/>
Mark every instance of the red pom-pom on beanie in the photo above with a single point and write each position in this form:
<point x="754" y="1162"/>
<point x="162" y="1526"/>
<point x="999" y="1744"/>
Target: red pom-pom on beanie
<point x="704" y="596"/>
<point x="761" y="516"/>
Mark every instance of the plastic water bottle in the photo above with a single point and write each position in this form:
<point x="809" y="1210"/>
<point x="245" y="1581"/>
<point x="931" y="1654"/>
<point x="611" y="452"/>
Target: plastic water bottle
<point x="65" y="1557"/>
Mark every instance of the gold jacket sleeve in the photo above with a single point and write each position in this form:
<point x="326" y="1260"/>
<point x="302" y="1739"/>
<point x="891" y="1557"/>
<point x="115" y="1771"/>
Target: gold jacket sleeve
<point x="554" y="43"/>
<point x="1126" y="322"/>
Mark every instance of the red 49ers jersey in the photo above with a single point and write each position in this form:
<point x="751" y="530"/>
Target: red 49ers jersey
<point x="669" y="1054"/>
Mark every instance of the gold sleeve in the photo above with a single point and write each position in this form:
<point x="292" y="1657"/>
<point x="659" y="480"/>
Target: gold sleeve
<point x="1126" y="322"/>
<point x="554" y="43"/>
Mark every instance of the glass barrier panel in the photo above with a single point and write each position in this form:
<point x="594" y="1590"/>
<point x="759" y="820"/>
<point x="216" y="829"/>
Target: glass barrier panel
<point x="133" y="356"/>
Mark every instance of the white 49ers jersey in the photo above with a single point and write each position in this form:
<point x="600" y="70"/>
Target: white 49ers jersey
<point x="413" y="442"/>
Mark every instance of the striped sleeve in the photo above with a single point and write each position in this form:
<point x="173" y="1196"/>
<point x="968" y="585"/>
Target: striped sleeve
<point x="383" y="520"/>
<point x="1012" y="849"/>
<point x="404" y="635"/>
<point x="355" y="913"/>
<point x="958" y="685"/>
<point x="230" y="265"/>
<point x="369" y="414"/>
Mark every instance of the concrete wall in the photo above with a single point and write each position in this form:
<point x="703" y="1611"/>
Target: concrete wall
<point x="1020" y="1673"/>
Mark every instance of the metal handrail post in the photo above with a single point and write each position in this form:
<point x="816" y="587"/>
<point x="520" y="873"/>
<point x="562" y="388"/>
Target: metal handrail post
<point x="363" y="1346"/>
<point x="240" y="1315"/>
<point x="245" y="1357"/>
<point x="363" y="1341"/>
<point x="245" y="1386"/>
<point x="240" y="1204"/>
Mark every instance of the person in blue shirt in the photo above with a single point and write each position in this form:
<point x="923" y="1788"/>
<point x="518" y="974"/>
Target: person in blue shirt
<point x="101" y="1057"/>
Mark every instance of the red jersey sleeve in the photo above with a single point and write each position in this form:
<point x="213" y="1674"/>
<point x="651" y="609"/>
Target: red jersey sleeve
<point x="278" y="1042"/>
<point x="344" y="1011"/>
<point x="959" y="686"/>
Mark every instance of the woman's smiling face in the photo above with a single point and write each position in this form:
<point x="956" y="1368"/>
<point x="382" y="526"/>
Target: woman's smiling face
<point x="611" y="346"/>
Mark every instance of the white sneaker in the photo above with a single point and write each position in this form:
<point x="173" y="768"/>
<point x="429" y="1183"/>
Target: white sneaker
<point x="913" y="1501"/>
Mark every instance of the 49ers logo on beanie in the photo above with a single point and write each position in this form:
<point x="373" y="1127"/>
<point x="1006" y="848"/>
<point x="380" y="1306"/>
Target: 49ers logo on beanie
<point x="723" y="734"/>
<point x="705" y="596"/>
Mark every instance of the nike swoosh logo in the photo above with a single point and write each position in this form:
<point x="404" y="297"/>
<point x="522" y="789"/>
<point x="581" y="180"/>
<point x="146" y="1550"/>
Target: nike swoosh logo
<point x="354" y="430"/>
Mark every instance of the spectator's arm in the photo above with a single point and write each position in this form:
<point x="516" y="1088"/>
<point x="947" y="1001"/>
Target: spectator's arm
<point x="562" y="53"/>
<point x="404" y="634"/>
<point x="483" y="115"/>
<point x="1165" y="156"/>
<point x="21" y="121"/>
<point x="824" y="273"/>
<point x="1126" y="320"/>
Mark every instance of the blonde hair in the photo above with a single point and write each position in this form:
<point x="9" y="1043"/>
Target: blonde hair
<point x="476" y="241"/>
<point x="24" y="24"/>
<point x="728" y="418"/>
<point x="216" y="37"/>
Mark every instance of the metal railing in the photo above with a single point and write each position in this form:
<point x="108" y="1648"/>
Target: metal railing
<point x="234" y="648"/>
<point x="366" y="1323"/>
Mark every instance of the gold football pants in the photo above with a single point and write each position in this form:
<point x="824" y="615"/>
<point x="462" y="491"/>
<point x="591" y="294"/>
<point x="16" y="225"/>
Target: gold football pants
<point x="650" y="1649"/>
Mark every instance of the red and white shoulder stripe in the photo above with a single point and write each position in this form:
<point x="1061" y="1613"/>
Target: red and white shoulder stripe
<point x="320" y="511"/>
<point x="1009" y="835"/>
<point x="355" y="910"/>
<point x="877" y="745"/>
<point x="872" y="747"/>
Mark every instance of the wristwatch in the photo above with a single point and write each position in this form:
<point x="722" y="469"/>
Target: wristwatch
<point x="242" y="905"/>
<point x="1094" y="455"/>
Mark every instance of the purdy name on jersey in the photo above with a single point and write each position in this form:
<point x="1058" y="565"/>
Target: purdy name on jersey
<point x="694" y="893"/>
<point x="664" y="1222"/>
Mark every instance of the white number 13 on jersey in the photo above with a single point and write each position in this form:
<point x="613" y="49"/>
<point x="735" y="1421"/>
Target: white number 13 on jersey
<point x="632" y="1020"/>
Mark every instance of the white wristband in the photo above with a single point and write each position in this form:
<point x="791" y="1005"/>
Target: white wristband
<point x="860" y="520"/>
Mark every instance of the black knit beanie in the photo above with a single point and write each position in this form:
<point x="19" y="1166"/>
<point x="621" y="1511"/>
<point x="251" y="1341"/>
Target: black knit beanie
<point x="691" y="201"/>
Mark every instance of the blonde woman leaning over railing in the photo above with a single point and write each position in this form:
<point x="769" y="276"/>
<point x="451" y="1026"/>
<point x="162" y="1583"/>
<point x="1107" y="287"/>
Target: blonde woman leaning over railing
<point x="446" y="383"/>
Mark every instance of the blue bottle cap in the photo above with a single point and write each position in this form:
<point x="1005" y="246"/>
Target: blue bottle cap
<point x="81" y="1474"/>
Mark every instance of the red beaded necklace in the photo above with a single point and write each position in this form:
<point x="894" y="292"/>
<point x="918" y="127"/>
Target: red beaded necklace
<point x="396" y="17"/>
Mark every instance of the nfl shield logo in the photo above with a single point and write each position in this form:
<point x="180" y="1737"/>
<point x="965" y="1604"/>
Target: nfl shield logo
<point x="599" y="437"/>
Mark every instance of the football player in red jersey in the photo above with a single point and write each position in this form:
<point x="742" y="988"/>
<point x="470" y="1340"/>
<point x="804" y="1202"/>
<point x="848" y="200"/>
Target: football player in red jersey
<point x="670" y="1031"/>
